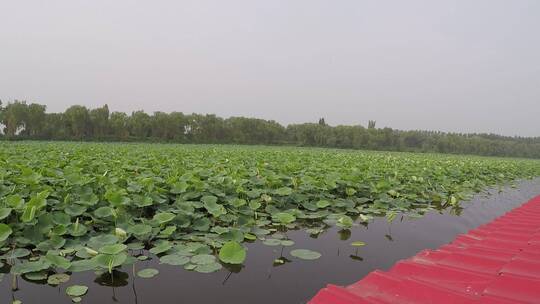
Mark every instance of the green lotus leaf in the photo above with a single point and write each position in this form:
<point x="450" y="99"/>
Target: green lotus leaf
<point x="208" y="268"/>
<point x="113" y="249"/>
<point x="5" y="232"/>
<point x="109" y="261"/>
<point x="99" y="241"/>
<point x="36" y="276"/>
<point x="58" y="278"/>
<point x="140" y="230"/>
<point x="284" y="191"/>
<point x="323" y="204"/>
<point x="283" y="218"/>
<point x="202" y="259"/>
<point x="232" y="253"/>
<point x="173" y="259"/>
<point x="75" y="210"/>
<point x="15" y="201"/>
<point x="358" y="244"/>
<point x="76" y="290"/>
<point x="16" y="253"/>
<point x="83" y="265"/>
<point x="103" y="212"/>
<point x="26" y="267"/>
<point x="161" y="247"/>
<point x="147" y="273"/>
<point x="272" y="242"/>
<point x="305" y="254"/>
<point x="164" y="217"/>
<point x="4" y="212"/>
<point x="287" y="243"/>
<point x="58" y="261"/>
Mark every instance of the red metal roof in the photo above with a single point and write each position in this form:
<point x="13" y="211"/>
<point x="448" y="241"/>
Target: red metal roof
<point x="496" y="263"/>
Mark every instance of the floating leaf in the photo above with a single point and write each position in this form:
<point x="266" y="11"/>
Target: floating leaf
<point x="345" y="221"/>
<point x="305" y="254"/>
<point x="323" y="204"/>
<point x="147" y="273"/>
<point x="232" y="253"/>
<point x="358" y="244"/>
<point x="82" y="265"/>
<point x="283" y="218"/>
<point x="161" y="247"/>
<point x="109" y="261"/>
<point x="58" y="278"/>
<point x="140" y="229"/>
<point x="272" y="242"/>
<point x="17" y="253"/>
<point x="112" y="249"/>
<point x="36" y="276"/>
<point x="58" y="261"/>
<point x="76" y="290"/>
<point x="287" y="243"/>
<point x="27" y="267"/>
<point x="202" y="259"/>
<point x="175" y="260"/>
<point x="208" y="268"/>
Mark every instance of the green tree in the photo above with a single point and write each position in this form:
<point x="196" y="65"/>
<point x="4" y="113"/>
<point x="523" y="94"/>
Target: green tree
<point x="78" y="123"/>
<point x="140" y="125"/>
<point x="118" y="124"/>
<point x="14" y="118"/>
<point x="34" y="120"/>
<point x="99" y="119"/>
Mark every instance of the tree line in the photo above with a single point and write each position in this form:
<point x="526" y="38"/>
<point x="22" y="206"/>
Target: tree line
<point x="21" y="120"/>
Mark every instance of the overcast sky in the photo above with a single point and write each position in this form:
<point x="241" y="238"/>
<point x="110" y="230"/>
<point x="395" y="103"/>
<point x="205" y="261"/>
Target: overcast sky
<point x="468" y="66"/>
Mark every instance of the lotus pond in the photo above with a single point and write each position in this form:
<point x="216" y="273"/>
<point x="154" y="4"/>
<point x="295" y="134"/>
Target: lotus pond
<point x="79" y="215"/>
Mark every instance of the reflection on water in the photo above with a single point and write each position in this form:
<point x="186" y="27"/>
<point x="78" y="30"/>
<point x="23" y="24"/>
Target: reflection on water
<point x="271" y="274"/>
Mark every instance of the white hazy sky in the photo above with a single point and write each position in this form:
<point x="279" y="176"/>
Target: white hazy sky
<point x="464" y="65"/>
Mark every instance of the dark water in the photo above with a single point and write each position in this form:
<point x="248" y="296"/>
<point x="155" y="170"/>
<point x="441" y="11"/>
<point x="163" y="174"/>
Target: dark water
<point x="295" y="282"/>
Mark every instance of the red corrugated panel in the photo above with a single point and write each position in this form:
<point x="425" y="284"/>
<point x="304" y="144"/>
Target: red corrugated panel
<point x="515" y="288"/>
<point x="496" y="263"/>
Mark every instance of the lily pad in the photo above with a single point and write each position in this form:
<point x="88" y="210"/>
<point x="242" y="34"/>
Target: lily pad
<point x="305" y="254"/>
<point x="113" y="248"/>
<point x="208" y="268"/>
<point x="202" y="259"/>
<point x="76" y="290"/>
<point x="148" y="273"/>
<point x="58" y="278"/>
<point x="175" y="260"/>
<point x="36" y="276"/>
<point x="358" y="244"/>
<point x="232" y="253"/>
<point x="272" y="242"/>
<point x="283" y="218"/>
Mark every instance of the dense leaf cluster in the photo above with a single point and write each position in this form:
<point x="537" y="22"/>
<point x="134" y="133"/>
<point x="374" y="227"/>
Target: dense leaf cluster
<point x="68" y="207"/>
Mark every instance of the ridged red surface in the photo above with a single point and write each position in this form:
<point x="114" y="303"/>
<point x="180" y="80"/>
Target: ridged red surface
<point x="497" y="263"/>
